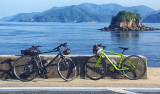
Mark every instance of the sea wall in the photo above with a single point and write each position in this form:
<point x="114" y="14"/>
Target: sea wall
<point x="7" y="61"/>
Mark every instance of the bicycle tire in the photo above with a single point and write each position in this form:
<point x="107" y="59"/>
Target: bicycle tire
<point x="2" y="75"/>
<point x="67" y="69"/>
<point x="138" y="72"/>
<point x="25" y="68"/>
<point x="95" y="73"/>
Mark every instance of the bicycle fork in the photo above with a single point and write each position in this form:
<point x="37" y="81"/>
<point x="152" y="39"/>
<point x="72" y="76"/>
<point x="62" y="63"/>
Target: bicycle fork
<point x="99" y="60"/>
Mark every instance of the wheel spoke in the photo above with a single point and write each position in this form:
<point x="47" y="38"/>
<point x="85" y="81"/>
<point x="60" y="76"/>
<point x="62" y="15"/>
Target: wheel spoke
<point x="25" y="68"/>
<point x="67" y="69"/>
<point x="138" y="71"/>
<point x="134" y="74"/>
<point x="93" y="72"/>
<point x="95" y="69"/>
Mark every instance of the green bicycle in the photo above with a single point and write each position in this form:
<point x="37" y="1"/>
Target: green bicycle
<point x="133" y="67"/>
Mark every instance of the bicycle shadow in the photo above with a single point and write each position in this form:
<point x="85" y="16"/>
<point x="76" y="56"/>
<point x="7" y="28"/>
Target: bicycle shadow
<point x="6" y="70"/>
<point x="49" y="80"/>
<point x="113" y="73"/>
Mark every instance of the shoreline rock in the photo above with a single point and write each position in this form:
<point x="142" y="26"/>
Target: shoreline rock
<point x="129" y="29"/>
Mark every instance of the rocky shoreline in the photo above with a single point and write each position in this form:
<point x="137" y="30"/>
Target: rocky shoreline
<point x="128" y="29"/>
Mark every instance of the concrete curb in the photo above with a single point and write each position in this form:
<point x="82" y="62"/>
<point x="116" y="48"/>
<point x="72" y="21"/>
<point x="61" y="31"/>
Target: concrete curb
<point x="7" y="61"/>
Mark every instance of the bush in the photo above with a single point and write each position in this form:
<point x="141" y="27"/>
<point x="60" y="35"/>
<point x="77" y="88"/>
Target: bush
<point x="126" y="16"/>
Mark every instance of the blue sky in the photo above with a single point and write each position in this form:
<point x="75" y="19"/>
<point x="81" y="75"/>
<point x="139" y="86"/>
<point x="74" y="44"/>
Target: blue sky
<point x="12" y="7"/>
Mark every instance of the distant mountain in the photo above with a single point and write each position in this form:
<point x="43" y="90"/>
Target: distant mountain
<point x="88" y="13"/>
<point x="115" y="8"/>
<point x="155" y="18"/>
<point x="142" y="10"/>
<point x="5" y="19"/>
<point x="82" y="13"/>
<point x="24" y="17"/>
<point x="71" y="14"/>
<point x="21" y="17"/>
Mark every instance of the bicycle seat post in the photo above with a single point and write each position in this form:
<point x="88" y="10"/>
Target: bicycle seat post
<point x="123" y="51"/>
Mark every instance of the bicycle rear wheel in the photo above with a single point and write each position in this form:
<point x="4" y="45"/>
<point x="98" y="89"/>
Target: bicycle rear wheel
<point x="93" y="72"/>
<point x="138" y="71"/>
<point x="67" y="69"/>
<point x="25" y="68"/>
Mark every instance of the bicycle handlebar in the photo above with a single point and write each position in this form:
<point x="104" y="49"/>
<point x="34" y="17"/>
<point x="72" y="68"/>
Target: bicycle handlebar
<point x="36" y="46"/>
<point x="54" y="50"/>
<point x="104" y="47"/>
<point x="63" y="44"/>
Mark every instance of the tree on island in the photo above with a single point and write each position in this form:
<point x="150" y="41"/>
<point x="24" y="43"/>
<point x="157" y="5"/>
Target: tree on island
<point x="125" y="16"/>
<point x="127" y="21"/>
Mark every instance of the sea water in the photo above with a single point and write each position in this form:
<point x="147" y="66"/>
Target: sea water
<point x="16" y="36"/>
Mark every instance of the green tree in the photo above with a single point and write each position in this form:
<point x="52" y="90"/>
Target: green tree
<point x="126" y="16"/>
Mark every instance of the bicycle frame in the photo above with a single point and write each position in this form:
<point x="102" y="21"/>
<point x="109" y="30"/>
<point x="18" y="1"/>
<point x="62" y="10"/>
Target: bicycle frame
<point x="59" y="54"/>
<point x="120" y="62"/>
<point x="42" y="66"/>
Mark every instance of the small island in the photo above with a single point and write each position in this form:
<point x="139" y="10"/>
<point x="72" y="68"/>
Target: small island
<point x="127" y="21"/>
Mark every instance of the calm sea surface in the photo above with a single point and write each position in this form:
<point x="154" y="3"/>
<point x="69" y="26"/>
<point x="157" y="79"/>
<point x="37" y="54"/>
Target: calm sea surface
<point x="80" y="37"/>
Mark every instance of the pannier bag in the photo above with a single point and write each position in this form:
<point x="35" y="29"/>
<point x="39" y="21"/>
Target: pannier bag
<point x="30" y="51"/>
<point x="98" y="49"/>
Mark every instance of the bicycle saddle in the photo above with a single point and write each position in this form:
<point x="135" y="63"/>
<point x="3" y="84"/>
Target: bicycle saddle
<point x="123" y="48"/>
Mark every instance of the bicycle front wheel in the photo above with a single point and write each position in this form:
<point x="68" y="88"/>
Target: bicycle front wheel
<point x="138" y="71"/>
<point x="67" y="69"/>
<point x="25" y="68"/>
<point x="95" y="72"/>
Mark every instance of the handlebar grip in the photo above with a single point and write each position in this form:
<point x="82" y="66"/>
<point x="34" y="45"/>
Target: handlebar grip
<point x="64" y="44"/>
<point x="36" y="46"/>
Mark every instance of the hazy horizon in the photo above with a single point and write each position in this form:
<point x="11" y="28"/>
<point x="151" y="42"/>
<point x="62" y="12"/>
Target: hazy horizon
<point x="13" y="7"/>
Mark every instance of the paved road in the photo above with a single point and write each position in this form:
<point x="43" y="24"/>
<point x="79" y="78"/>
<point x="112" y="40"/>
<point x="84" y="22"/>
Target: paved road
<point x="84" y="86"/>
<point x="80" y="86"/>
<point x="77" y="90"/>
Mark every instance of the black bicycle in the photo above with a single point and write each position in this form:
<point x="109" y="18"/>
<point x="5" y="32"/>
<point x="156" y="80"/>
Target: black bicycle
<point x="29" y="65"/>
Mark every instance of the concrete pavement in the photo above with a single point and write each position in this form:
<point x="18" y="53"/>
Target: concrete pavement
<point x="77" y="90"/>
<point x="152" y="81"/>
<point x="151" y="84"/>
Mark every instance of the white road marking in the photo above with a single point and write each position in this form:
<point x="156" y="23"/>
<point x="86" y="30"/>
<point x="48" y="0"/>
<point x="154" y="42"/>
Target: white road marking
<point x="120" y="90"/>
<point x="114" y="89"/>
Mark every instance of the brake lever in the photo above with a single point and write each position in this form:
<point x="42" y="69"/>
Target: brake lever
<point x="65" y="44"/>
<point x="36" y="46"/>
